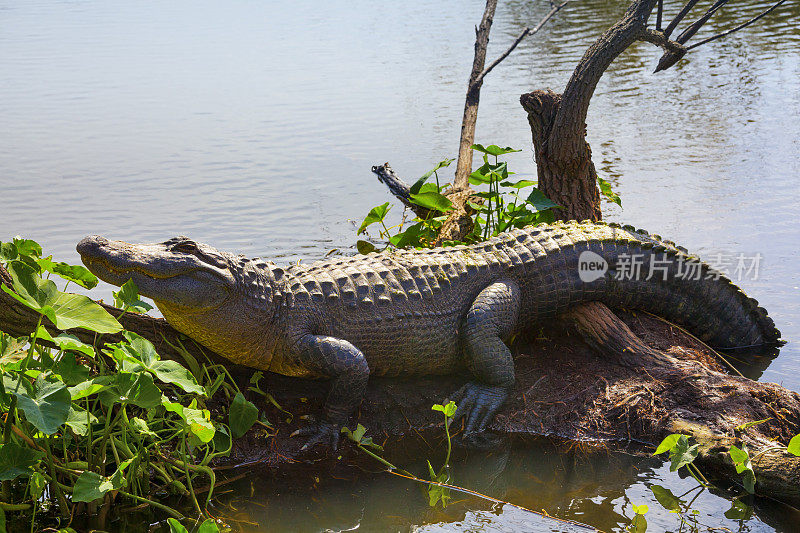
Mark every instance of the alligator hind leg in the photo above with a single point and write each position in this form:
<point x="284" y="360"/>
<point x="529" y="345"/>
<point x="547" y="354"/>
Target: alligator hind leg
<point x="489" y="322"/>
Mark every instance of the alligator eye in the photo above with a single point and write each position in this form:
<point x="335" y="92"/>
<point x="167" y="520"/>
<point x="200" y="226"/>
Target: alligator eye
<point x="188" y="247"/>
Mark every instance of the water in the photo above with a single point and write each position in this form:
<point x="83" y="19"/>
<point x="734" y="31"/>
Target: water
<point x="253" y="126"/>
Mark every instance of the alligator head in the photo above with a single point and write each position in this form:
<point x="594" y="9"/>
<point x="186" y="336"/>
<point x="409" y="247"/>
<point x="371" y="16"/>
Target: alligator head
<point x="217" y="298"/>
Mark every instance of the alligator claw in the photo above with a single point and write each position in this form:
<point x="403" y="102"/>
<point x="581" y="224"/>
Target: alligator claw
<point x="324" y="433"/>
<point x="478" y="403"/>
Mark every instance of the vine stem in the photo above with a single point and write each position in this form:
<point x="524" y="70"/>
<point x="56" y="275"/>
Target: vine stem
<point x="62" y="500"/>
<point x="169" y="510"/>
<point x="189" y="479"/>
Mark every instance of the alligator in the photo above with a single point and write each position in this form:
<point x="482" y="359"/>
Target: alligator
<point x="423" y="312"/>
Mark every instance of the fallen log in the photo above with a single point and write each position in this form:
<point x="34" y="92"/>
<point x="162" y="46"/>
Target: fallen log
<point x="656" y="380"/>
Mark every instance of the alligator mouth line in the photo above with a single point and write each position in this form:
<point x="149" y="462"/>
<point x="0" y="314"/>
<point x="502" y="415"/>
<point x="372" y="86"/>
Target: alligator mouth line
<point x="114" y="270"/>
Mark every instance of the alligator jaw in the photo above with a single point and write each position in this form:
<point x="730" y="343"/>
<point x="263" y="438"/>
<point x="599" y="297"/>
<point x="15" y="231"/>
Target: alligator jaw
<point x="161" y="274"/>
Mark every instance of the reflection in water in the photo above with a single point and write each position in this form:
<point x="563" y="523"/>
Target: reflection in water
<point x="253" y="126"/>
<point x="593" y="486"/>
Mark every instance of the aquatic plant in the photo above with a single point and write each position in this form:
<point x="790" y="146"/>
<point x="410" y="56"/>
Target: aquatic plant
<point x="87" y="426"/>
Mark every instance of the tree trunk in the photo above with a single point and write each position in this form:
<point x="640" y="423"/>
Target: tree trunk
<point x="571" y="182"/>
<point x="558" y="122"/>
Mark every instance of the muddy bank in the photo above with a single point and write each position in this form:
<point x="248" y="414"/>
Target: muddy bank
<point x="567" y="390"/>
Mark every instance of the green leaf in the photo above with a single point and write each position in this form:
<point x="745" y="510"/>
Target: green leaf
<point x="140" y="354"/>
<point x="209" y="526"/>
<point x="493" y="149"/>
<point x="682" y="454"/>
<point x="74" y="273"/>
<point x="127" y="298"/>
<point x="640" y="509"/>
<point x="78" y="421"/>
<point x="376" y="214"/>
<point x="741" y="459"/>
<point x="749" y="481"/>
<point x="449" y="409"/>
<point x="78" y="311"/>
<point x="365" y="247"/>
<point x="36" y="485"/>
<point x="27" y="247"/>
<point x="175" y="526"/>
<point x="539" y="201"/>
<point x="197" y="421"/>
<point x="521" y="184"/>
<point x="479" y="178"/>
<point x="739" y="511"/>
<point x="12" y="349"/>
<point x="605" y="188"/>
<point x="29" y="288"/>
<point x="135" y="389"/>
<point x="92" y="486"/>
<point x="417" y="187"/>
<point x="47" y="407"/>
<point x="71" y="372"/>
<point x="409" y="237"/>
<point x="428" y="187"/>
<point x="65" y="342"/>
<point x="748" y="425"/>
<point x="794" y="445"/>
<point x="665" y="497"/>
<point x="432" y="200"/>
<point x="639" y="524"/>
<point x="16" y="460"/>
<point x="667" y="444"/>
<point x="87" y="388"/>
<point x="242" y="415"/>
<point x="8" y="252"/>
<point x="141" y="427"/>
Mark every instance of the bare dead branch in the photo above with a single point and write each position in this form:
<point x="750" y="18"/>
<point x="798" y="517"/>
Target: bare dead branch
<point x="464" y="164"/>
<point x="691" y="30"/>
<point x="399" y="188"/>
<point x="737" y="28"/>
<point x="659" y="14"/>
<point x="525" y="32"/>
<point x="673" y="51"/>
<point x="679" y="17"/>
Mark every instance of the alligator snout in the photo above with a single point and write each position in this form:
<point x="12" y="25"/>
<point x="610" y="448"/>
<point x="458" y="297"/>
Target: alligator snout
<point x="89" y="246"/>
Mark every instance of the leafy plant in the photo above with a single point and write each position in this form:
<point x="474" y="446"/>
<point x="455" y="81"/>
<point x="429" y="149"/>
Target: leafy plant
<point x="439" y="493"/>
<point x="500" y="208"/>
<point x="102" y="422"/>
<point x="638" y="522"/>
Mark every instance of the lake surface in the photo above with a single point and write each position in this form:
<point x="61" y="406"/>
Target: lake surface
<point x="253" y="126"/>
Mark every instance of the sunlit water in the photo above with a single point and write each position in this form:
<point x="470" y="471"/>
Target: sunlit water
<point x="253" y="126"/>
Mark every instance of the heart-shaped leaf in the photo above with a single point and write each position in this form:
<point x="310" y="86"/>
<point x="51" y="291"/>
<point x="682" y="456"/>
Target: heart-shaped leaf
<point x="432" y="200"/>
<point x="74" y="273"/>
<point x="376" y="214"/>
<point x="127" y="298"/>
<point x="493" y="149"/>
<point x="242" y="415"/>
<point x="92" y="486"/>
<point x="16" y="460"/>
<point x="47" y="406"/>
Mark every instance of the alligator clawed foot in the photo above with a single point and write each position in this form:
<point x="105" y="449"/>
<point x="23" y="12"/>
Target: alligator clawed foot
<point x="319" y="433"/>
<point x="477" y="404"/>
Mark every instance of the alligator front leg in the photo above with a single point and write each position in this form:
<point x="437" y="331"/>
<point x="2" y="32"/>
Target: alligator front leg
<point x="348" y="369"/>
<point x="491" y="319"/>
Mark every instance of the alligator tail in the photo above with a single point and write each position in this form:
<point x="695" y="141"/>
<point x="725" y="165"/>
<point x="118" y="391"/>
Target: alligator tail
<point x="703" y="300"/>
